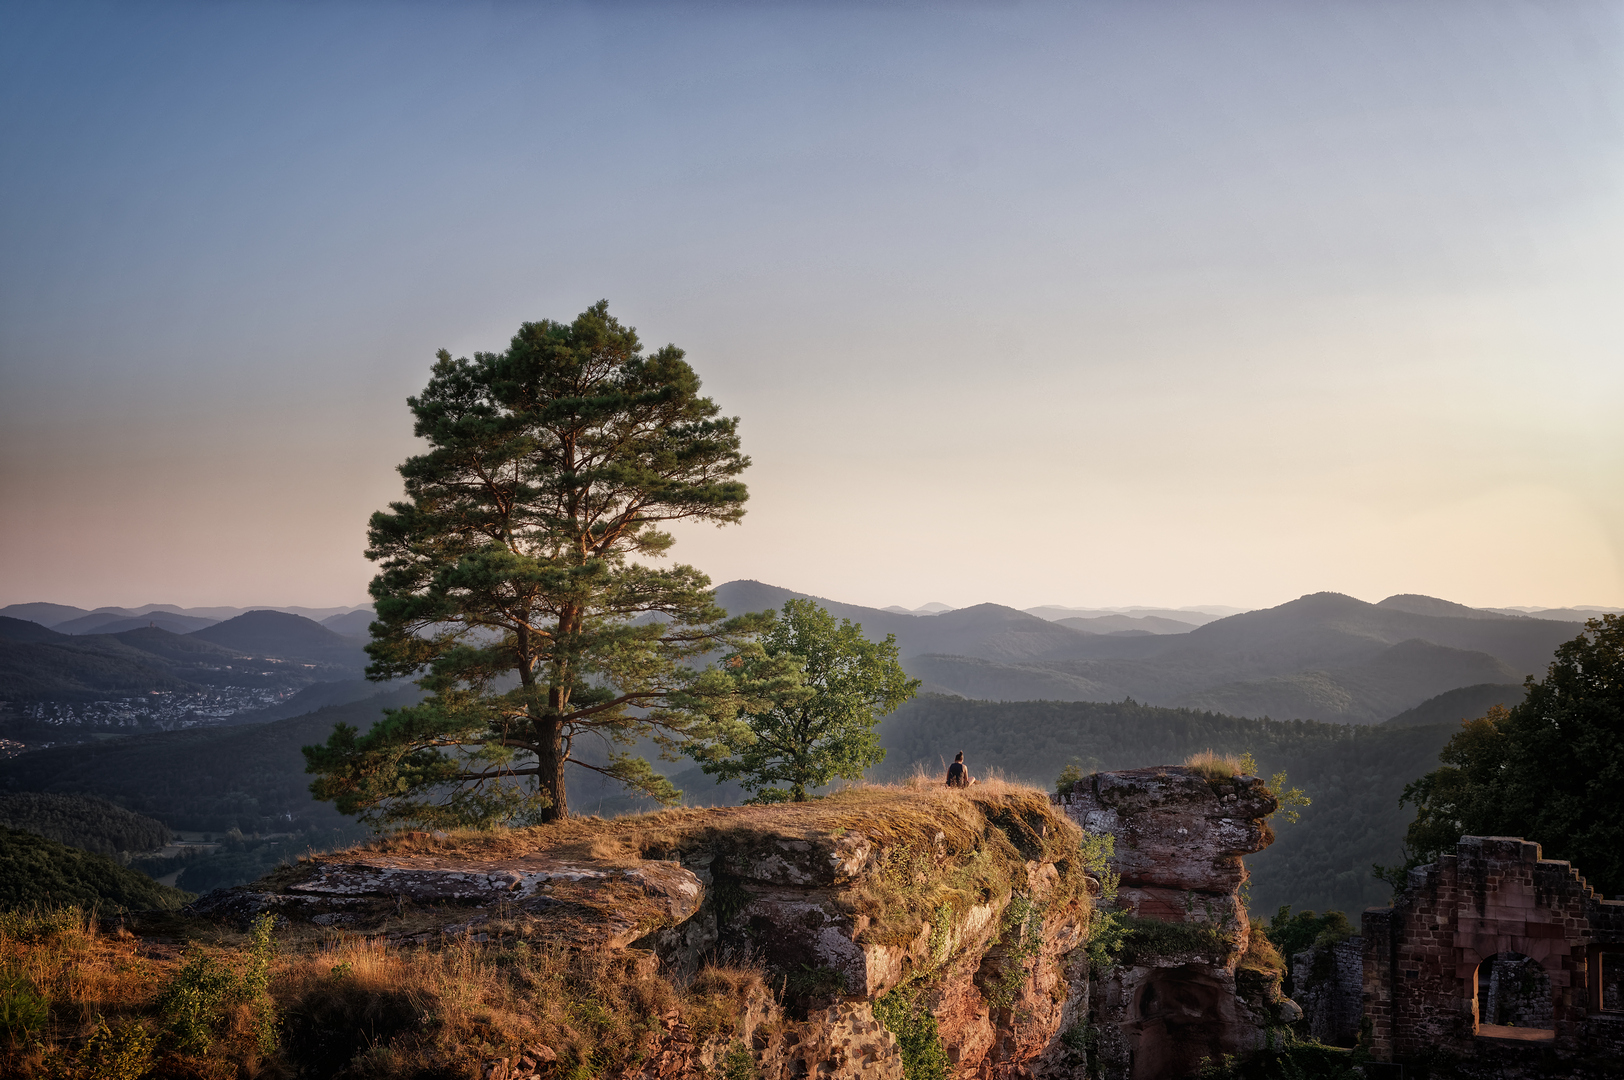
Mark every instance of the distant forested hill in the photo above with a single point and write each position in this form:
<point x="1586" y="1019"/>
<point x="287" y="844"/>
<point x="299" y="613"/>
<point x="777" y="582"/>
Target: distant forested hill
<point x="258" y="649"/>
<point x="81" y="821"/>
<point x="1466" y="703"/>
<point x="36" y="872"/>
<point x="1354" y="774"/>
<point x="1324" y="656"/>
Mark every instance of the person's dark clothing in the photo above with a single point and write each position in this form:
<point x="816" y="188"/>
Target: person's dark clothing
<point x="957" y="775"/>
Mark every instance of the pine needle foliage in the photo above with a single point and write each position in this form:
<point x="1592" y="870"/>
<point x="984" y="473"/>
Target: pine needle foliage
<point x="516" y="583"/>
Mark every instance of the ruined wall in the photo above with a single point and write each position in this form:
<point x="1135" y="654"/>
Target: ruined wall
<point x="1328" y="985"/>
<point x="1179" y="839"/>
<point x="1493" y="896"/>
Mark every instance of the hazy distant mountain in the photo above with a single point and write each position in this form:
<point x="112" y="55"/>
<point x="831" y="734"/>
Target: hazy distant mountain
<point x="66" y="668"/>
<point x="1365" y="693"/>
<point x="1416" y="604"/>
<point x="54" y="615"/>
<point x="103" y="622"/>
<point x="179" y="649"/>
<point x="1191" y="616"/>
<point x="1573" y="614"/>
<point x="1463" y="703"/>
<point x="988" y="631"/>
<point x="46" y="615"/>
<point x="285" y="637"/>
<point x="1127" y="624"/>
<point x="351" y="623"/>
<point x="1324" y="656"/>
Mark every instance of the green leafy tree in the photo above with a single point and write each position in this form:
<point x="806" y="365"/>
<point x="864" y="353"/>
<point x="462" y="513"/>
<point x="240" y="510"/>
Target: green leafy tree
<point x="516" y="585"/>
<point x="1549" y="769"/>
<point x="822" y="728"/>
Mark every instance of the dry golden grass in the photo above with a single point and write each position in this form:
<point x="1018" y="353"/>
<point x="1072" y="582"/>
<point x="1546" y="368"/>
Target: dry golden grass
<point x="357" y="1006"/>
<point x="1214" y="766"/>
<point x="1260" y="954"/>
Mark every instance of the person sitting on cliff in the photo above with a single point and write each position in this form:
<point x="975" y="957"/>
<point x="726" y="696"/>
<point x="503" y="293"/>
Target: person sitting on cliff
<point x="957" y="774"/>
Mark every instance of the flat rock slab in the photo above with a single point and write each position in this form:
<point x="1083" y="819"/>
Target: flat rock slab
<point x="576" y="904"/>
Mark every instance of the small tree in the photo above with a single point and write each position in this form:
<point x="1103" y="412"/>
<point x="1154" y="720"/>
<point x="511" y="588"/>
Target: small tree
<point x="821" y="729"/>
<point x="1550" y="769"/>
<point x="508" y="586"/>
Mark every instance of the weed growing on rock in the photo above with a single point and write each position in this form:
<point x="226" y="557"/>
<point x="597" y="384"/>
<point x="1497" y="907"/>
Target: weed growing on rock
<point x="1022" y="933"/>
<point x="738" y="1064"/>
<point x="1215" y="766"/>
<point x="918" y="1038"/>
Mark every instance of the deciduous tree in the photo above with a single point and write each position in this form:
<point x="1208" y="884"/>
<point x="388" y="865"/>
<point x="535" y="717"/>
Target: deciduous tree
<point x="1549" y="770"/>
<point x="822" y="729"/>
<point x="518" y="585"/>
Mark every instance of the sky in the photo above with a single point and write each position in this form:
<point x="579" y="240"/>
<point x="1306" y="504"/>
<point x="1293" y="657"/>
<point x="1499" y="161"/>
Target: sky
<point x="1087" y="304"/>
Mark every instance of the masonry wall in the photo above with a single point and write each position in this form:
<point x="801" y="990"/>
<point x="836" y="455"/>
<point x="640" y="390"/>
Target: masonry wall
<point x="1494" y="895"/>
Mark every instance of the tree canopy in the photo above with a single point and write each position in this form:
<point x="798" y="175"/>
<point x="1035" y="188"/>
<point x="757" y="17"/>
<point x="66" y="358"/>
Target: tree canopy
<point x="822" y="730"/>
<point x="515" y="582"/>
<point x="1549" y="770"/>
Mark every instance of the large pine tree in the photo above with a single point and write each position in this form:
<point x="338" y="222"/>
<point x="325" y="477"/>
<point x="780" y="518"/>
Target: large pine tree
<point x="517" y="584"/>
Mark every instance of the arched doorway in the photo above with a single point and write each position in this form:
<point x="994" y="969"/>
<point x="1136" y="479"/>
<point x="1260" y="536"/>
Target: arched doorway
<point x="1178" y="1021"/>
<point x="1514" y="997"/>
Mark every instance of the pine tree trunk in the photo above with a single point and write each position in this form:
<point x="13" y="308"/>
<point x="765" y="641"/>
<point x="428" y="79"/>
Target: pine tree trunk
<point x="550" y="760"/>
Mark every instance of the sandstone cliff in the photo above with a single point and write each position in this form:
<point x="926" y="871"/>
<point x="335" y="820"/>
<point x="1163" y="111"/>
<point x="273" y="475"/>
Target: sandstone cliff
<point x="879" y="934"/>
<point x="956" y="916"/>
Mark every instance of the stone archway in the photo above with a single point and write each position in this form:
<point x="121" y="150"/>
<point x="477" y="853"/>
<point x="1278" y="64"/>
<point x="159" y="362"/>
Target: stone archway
<point x="1513" y="991"/>
<point x="1181" y="1017"/>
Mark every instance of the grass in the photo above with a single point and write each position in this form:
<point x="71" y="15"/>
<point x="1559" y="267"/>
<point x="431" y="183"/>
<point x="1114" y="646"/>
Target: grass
<point x="1213" y="765"/>
<point x="118" y="1012"/>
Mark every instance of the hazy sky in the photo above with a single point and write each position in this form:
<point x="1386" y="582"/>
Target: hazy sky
<point x="1089" y="304"/>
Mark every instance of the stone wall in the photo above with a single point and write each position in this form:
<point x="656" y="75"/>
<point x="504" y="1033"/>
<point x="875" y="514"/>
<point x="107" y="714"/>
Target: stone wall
<point x="1328" y="984"/>
<point x="1494" y="898"/>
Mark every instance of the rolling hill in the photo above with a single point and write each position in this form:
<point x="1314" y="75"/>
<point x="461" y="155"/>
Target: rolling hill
<point x="1463" y="703"/>
<point x="285" y="637"/>
<point x="265" y="648"/>
<point x="1325" y="656"/>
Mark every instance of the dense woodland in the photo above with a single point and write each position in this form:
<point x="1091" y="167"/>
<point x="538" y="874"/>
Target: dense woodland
<point x="36" y="872"/>
<point x="1353" y="773"/>
<point x="82" y="822"/>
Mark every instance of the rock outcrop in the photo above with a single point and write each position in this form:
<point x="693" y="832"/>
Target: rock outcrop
<point x="1178" y="997"/>
<point x="964" y="907"/>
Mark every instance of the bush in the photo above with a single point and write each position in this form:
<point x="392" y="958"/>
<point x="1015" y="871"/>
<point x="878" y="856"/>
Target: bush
<point x="23" y="1009"/>
<point x="194" y="1005"/>
<point x="918" y="1038"/>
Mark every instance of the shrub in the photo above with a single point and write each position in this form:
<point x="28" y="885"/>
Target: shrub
<point x="23" y="1009"/>
<point x="918" y="1038"/>
<point x="111" y="1053"/>
<point x="195" y="1005"/>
